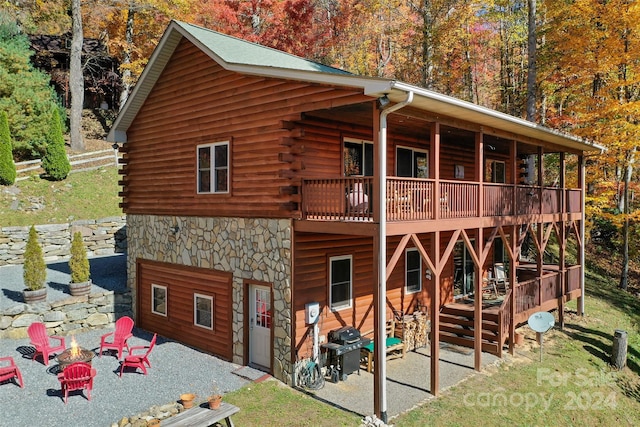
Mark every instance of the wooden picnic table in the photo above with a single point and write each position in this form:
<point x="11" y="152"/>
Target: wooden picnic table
<point x="203" y="417"/>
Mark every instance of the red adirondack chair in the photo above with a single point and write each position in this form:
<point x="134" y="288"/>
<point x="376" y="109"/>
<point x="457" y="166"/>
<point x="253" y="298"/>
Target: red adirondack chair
<point x="119" y="337"/>
<point x="139" y="360"/>
<point x="77" y="376"/>
<point x="11" y="371"/>
<point x="41" y="341"/>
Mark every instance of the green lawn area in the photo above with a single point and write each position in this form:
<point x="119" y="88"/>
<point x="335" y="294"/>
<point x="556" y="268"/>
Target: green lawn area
<point x="82" y="195"/>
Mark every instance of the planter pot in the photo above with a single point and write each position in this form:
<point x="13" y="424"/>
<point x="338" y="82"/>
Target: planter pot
<point x="79" y="289"/>
<point x="187" y="400"/>
<point x="519" y="339"/>
<point x="214" y="401"/>
<point x="31" y="297"/>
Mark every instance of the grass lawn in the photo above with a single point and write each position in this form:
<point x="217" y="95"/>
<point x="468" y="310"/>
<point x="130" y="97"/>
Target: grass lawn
<point x="82" y="195"/>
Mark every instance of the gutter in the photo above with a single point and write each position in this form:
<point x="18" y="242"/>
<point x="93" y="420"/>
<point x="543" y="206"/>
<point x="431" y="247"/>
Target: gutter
<point x="380" y="347"/>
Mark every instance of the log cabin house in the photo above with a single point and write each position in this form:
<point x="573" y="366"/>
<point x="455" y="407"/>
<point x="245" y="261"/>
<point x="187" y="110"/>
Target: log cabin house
<point x="256" y="183"/>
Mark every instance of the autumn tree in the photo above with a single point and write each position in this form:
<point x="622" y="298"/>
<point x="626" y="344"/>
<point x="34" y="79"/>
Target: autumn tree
<point x="595" y="88"/>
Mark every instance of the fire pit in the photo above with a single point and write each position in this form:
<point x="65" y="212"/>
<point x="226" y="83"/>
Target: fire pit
<point x="74" y="354"/>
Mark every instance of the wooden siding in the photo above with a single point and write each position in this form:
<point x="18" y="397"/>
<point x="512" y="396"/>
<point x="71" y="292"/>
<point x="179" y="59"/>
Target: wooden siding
<point x="181" y="283"/>
<point x="311" y="283"/>
<point x="195" y="101"/>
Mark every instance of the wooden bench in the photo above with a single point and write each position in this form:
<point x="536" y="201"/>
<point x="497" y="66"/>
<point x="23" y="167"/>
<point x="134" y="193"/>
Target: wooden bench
<point x="394" y="346"/>
<point x="203" y="417"/>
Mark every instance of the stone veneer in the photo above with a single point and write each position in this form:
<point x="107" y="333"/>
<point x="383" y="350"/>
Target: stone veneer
<point x="250" y="248"/>
<point x="104" y="236"/>
<point x="66" y="316"/>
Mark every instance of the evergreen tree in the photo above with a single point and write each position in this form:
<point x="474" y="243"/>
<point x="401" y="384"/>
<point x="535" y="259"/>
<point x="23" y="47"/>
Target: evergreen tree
<point x="25" y="94"/>
<point x="79" y="263"/>
<point x="55" y="162"/>
<point x="35" y="269"/>
<point x="7" y="166"/>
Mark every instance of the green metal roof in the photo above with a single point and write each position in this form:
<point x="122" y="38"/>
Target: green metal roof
<point x="233" y="50"/>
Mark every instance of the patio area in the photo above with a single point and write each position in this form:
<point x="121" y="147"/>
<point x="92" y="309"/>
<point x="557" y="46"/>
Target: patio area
<point x="175" y="369"/>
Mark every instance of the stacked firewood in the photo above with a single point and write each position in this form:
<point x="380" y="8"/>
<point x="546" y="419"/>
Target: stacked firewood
<point x="413" y="329"/>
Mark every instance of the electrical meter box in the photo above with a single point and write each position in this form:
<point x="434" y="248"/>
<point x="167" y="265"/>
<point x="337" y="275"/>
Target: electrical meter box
<point x="312" y="312"/>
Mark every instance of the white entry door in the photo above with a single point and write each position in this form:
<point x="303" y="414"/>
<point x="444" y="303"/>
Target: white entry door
<point x="260" y="325"/>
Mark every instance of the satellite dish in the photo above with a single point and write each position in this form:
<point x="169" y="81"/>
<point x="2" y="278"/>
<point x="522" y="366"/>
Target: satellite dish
<point x="541" y="321"/>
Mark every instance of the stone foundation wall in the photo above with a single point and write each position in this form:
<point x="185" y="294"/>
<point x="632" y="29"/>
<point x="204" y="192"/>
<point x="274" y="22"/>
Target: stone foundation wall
<point x="250" y="248"/>
<point x="104" y="236"/>
<point x="70" y="315"/>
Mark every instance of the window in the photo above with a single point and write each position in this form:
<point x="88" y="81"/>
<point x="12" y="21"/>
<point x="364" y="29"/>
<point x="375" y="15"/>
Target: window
<point x="340" y="285"/>
<point x="412" y="163"/>
<point x="213" y="168"/>
<point x="203" y="311"/>
<point x="496" y="172"/>
<point x="413" y="269"/>
<point x="159" y="299"/>
<point x="358" y="158"/>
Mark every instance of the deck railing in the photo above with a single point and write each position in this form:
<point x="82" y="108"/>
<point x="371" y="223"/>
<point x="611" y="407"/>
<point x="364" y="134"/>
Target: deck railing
<point x="413" y="199"/>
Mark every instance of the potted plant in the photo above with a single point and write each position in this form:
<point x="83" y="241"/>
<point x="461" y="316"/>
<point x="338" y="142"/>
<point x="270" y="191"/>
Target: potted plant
<point x="187" y="400"/>
<point x="35" y="270"/>
<point x="79" y="267"/>
<point x="215" y="398"/>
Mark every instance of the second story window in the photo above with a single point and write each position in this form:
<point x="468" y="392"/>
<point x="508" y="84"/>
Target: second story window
<point x="496" y="171"/>
<point x="358" y="158"/>
<point x="213" y="168"/>
<point x="412" y="163"/>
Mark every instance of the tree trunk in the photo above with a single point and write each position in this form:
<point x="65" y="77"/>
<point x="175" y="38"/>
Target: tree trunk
<point x="76" y="79"/>
<point x="127" y="83"/>
<point x="531" y="75"/>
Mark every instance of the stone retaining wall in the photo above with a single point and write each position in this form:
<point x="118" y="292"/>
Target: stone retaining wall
<point x="70" y="315"/>
<point x="104" y="236"/>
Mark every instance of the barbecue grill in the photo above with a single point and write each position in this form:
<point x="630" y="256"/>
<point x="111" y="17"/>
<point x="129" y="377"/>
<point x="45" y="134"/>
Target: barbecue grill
<point x="343" y="351"/>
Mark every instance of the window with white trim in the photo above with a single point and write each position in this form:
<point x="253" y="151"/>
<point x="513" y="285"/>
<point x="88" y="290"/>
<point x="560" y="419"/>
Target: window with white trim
<point x="412" y="163"/>
<point x="213" y="168"/>
<point x="159" y="299"/>
<point x="340" y="282"/>
<point x="358" y="157"/>
<point x="413" y="271"/>
<point x="203" y="311"/>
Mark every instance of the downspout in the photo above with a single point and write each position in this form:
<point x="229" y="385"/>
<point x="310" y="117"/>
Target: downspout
<point x="381" y="338"/>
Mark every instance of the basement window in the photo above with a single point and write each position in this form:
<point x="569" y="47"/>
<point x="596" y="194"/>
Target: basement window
<point x="203" y="311"/>
<point x="159" y="299"/>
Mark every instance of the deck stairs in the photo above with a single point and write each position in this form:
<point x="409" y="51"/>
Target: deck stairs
<point x="456" y="327"/>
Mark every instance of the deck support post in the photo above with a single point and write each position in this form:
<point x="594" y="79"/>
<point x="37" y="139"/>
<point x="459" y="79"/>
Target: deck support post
<point x="435" y="317"/>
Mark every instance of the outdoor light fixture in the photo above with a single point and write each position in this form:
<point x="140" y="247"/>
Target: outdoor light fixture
<point x="175" y="229"/>
<point x="383" y="101"/>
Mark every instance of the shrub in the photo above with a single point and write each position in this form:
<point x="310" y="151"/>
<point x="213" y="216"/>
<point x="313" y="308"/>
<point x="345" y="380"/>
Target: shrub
<point x="78" y="264"/>
<point x="7" y="166"/>
<point x="55" y="162"/>
<point x="35" y="269"/>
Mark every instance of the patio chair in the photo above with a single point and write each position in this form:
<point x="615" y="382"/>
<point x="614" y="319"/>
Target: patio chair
<point x="139" y="360"/>
<point x="500" y="278"/>
<point x="119" y="337"/>
<point x="358" y="200"/>
<point x="77" y="376"/>
<point x="11" y="371"/>
<point x="41" y="341"/>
